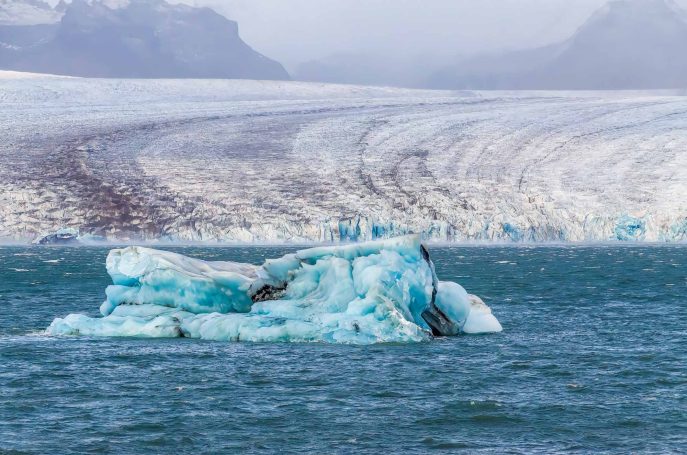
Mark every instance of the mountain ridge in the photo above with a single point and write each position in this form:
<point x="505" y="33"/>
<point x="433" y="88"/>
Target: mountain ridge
<point x="624" y="45"/>
<point x="142" y="39"/>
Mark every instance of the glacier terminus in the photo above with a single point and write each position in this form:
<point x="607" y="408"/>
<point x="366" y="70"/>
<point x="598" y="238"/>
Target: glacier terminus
<point x="270" y="161"/>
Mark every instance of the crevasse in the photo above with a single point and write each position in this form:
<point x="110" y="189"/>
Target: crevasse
<point x="380" y="291"/>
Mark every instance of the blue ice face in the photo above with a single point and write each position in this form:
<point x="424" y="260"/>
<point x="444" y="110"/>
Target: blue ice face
<point x="677" y="232"/>
<point x="143" y="275"/>
<point x="363" y="293"/>
<point x="349" y="230"/>
<point x="512" y="232"/>
<point x="630" y="228"/>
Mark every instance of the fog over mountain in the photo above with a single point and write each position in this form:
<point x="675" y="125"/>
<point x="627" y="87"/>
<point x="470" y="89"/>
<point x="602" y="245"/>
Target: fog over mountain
<point x="299" y="31"/>
<point x="624" y="45"/>
<point x="141" y="38"/>
<point x="463" y="44"/>
<point x="371" y="69"/>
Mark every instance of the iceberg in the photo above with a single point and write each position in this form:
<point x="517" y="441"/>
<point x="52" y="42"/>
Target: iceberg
<point x="66" y="236"/>
<point x="62" y="236"/>
<point x="372" y="292"/>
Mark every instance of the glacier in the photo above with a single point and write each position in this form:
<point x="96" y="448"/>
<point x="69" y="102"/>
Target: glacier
<point x="273" y="162"/>
<point x="372" y="292"/>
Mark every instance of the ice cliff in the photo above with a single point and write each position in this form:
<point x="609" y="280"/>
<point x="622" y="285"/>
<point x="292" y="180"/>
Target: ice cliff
<point x="264" y="161"/>
<point x="382" y="291"/>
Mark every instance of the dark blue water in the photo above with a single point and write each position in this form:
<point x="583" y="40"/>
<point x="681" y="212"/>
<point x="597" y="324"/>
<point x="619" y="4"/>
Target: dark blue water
<point x="593" y="358"/>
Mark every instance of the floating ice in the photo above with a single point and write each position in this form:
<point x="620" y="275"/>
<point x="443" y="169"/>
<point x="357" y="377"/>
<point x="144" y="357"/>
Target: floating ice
<point x="382" y="291"/>
<point x="62" y="236"/>
<point x="66" y="236"/>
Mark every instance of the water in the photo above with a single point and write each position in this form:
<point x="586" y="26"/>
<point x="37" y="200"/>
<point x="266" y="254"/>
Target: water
<point x="593" y="358"/>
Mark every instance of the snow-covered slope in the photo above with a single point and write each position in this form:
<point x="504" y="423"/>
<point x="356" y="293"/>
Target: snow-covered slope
<point x="27" y="12"/>
<point x="284" y="161"/>
<point x="25" y="75"/>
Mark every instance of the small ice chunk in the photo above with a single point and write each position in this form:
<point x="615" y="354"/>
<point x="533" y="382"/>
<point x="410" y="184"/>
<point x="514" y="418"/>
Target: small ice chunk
<point x="480" y="319"/>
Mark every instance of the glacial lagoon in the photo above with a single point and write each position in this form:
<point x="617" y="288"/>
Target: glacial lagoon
<point x="592" y="357"/>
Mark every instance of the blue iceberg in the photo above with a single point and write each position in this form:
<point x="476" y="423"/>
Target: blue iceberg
<point x="380" y="291"/>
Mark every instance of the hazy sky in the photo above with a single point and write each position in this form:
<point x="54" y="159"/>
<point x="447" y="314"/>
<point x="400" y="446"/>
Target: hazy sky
<point x="293" y="31"/>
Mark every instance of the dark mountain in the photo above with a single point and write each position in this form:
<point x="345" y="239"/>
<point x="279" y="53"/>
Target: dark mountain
<point x="146" y="39"/>
<point x="625" y="45"/>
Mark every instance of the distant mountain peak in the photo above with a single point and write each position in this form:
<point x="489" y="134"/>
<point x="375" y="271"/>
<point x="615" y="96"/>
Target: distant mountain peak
<point x="642" y="6"/>
<point x="61" y="7"/>
<point x="637" y="10"/>
<point x="141" y="38"/>
<point x="626" y="44"/>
